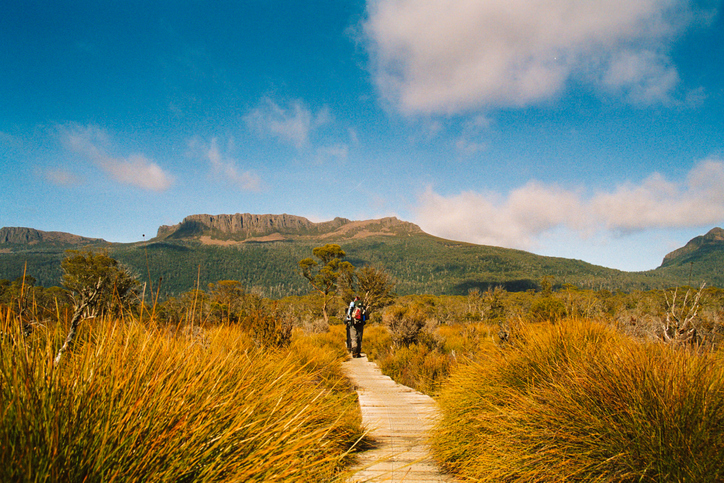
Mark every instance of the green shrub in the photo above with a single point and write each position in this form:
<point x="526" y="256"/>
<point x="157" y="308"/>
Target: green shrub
<point x="547" y="309"/>
<point x="422" y="365"/>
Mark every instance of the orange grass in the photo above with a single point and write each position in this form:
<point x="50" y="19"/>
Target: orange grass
<point x="137" y="404"/>
<point x="578" y="401"/>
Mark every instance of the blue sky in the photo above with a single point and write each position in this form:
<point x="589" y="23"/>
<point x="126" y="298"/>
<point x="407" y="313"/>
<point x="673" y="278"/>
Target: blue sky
<point x="588" y="130"/>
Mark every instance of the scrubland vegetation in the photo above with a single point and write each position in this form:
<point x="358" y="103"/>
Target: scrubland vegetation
<point x="138" y="400"/>
<point x="579" y="401"/>
<point x="221" y="384"/>
<point x="566" y="386"/>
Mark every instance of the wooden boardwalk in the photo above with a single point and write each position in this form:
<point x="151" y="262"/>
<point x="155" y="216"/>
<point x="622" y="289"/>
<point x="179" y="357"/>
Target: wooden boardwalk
<point x="398" y="419"/>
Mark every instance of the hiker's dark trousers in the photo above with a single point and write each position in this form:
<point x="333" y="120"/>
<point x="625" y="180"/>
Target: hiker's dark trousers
<point x="355" y="333"/>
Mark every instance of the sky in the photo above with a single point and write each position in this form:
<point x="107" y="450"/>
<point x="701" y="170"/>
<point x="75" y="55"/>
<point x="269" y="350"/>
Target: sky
<point x="591" y="130"/>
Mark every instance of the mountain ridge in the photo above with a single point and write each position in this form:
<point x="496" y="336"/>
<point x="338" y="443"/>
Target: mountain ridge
<point x="18" y="235"/>
<point x="713" y="237"/>
<point x="262" y="252"/>
<point x="250" y="227"/>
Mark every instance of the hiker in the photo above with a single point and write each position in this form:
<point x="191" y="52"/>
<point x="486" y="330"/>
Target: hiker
<point x="348" y="325"/>
<point x="358" y="317"/>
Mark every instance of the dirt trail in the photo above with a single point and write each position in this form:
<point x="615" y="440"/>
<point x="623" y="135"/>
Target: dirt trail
<point x="399" y="419"/>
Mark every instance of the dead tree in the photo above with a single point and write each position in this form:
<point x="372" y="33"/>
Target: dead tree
<point x="84" y="302"/>
<point x="680" y="322"/>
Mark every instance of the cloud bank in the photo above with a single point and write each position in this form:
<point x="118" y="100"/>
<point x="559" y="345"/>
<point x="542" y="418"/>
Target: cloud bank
<point x="520" y="218"/>
<point x="94" y="144"/>
<point x="450" y="56"/>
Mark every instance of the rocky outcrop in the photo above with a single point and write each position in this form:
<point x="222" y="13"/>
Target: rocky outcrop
<point x="20" y="235"/>
<point x="715" y="236"/>
<point x="235" y="228"/>
<point x="17" y="235"/>
<point x="245" y="226"/>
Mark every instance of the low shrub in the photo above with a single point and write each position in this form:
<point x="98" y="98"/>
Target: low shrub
<point x="376" y="341"/>
<point x="406" y="322"/>
<point x="547" y="309"/>
<point x="268" y="328"/>
<point x="321" y="354"/>
<point x="468" y="341"/>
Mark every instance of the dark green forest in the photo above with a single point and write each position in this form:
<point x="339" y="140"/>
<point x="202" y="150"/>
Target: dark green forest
<point x="420" y="263"/>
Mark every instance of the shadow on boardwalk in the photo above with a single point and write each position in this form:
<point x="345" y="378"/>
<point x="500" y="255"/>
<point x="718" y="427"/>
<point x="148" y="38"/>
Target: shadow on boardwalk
<point x="398" y="419"/>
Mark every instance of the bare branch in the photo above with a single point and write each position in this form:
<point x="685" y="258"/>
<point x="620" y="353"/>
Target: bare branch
<point x="86" y="300"/>
<point x="680" y="325"/>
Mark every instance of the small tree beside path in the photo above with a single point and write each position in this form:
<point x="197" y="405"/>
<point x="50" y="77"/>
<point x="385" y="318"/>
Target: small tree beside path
<point x="324" y="273"/>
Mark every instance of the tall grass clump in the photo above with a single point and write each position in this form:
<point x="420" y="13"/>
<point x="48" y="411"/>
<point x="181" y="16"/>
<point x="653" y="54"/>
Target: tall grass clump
<point x="320" y="353"/>
<point x="577" y="401"/>
<point x="131" y="403"/>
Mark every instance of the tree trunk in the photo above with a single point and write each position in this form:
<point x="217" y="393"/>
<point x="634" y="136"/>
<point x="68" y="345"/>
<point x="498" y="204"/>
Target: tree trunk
<point x="324" y="310"/>
<point x="83" y="303"/>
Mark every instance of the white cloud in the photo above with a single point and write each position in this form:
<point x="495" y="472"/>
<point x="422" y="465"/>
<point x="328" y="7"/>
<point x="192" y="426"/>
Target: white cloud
<point x="521" y="218"/>
<point x="447" y="56"/>
<point x="226" y="169"/>
<point x="646" y="76"/>
<point x="94" y="144"/>
<point x="657" y="203"/>
<point x="293" y="125"/>
<point x="137" y="170"/>
<point x="467" y="147"/>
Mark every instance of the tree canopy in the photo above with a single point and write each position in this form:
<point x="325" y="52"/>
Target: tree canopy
<point x="374" y="287"/>
<point x="99" y="281"/>
<point x="323" y="275"/>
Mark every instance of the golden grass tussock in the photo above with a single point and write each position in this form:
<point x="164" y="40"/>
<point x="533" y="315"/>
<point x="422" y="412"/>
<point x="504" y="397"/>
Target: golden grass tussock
<point x="578" y="401"/>
<point x="133" y="403"/>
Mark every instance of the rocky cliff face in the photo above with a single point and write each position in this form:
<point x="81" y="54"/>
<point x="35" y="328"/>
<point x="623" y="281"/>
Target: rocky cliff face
<point x="21" y="235"/>
<point x="243" y="226"/>
<point x="18" y="235"/>
<point x="246" y="225"/>
<point x="715" y="236"/>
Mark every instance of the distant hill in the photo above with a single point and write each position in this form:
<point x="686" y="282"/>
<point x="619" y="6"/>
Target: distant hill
<point x="697" y="247"/>
<point x="40" y="251"/>
<point x="262" y="252"/>
<point x="700" y="260"/>
<point x="31" y="236"/>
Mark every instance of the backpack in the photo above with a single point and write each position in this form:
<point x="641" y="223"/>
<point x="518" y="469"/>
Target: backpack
<point x="357" y="313"/>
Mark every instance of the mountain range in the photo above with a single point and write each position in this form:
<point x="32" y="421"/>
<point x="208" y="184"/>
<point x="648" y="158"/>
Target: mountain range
<point x="262" y="252"/>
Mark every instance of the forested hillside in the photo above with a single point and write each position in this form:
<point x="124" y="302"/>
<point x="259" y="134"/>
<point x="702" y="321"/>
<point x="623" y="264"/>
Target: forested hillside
<point x="263" y="252"/>
<point x="700" y="260"/>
